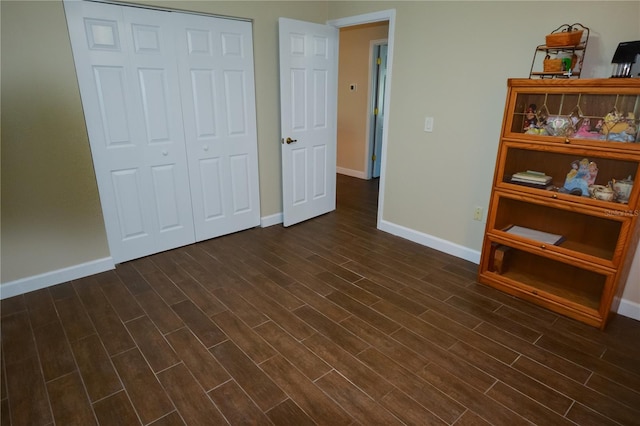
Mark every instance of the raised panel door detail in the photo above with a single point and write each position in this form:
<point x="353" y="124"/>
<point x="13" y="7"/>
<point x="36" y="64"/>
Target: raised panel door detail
<point x="299" y="183"/>
<point x="320" y="47"/>
<point x="211" y="176"/>
<point x="319" y="168"/>
<point x="298" y="99"/>
<point x="235" y="95"/>
<point x="102" y="34"/>
<point x="166" y="197"/>
<point x="296" y="44"/>
<point x="112" y="102"/>
<point x="204" y="99"/>
<point x="146" y="39"/>
<point x="320" y="96"/>
<point x="198" y="42"/>
<point x="126" y="188"/>
<point x="155" y="104"/>
<point x="240" y="183"/>
<point x="232" y="44"/>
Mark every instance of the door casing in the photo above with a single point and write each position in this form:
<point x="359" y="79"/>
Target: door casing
<point x="390" y="16"/>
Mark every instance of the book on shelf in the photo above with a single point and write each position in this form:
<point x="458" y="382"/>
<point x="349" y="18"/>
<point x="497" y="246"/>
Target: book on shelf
<point x="531" y="176"/>
<point x="534" y="234"/>
<point x="537" y="185"/>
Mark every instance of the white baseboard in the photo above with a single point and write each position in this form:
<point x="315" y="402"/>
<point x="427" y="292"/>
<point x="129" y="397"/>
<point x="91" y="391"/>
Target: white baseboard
<point x="431" y="241"/>
<point x="274" y="219"/>
<point x="627" y="308"/>
<point x="352" y="173"/>
<point x="48" y="279"/>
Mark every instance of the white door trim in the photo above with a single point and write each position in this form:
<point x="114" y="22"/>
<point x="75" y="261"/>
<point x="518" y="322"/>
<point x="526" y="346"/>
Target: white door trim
<point x="383" y="15"/>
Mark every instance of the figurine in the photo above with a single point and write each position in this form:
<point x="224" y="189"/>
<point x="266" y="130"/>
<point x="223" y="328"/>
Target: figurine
<point x="530" y="119"/>
<point x="533" y="124"/>
<point x="578" y="178"/>
<point x="593" y="173"/>
<point x="585" y="132"/>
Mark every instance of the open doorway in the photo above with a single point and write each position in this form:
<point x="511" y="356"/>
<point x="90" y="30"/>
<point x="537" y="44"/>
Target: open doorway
<point x="362" y="154"/>
<point x="361" y="91"/>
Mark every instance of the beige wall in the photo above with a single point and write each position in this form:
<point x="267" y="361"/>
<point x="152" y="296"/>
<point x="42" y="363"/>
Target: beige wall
<point x="451" y="61"/>
<point x="353" y="106"/>
<point x="51" y="215"/>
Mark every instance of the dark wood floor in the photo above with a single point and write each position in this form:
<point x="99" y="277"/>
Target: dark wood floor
<point x="327" y="322"/>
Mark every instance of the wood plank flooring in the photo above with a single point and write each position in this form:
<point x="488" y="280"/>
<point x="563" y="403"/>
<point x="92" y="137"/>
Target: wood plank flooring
<point x="327" y="322"/>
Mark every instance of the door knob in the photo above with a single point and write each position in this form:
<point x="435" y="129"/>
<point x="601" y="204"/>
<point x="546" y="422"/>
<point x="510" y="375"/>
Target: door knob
<point x="289" y="140"/>
<point x="165" y="153"/>
<point x="206" y="147"/>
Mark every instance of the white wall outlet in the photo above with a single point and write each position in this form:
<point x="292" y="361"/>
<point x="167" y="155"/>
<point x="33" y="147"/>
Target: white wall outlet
<point x="428" y="124"/>
<point x="477" y="213"/>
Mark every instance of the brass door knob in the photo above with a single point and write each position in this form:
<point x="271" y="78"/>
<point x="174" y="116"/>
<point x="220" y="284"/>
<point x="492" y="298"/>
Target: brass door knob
<point x="289" y="140"/>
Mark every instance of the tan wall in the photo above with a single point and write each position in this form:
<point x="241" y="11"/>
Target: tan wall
<point x="51" y="215"/>
<point x="353" y="106"/>
<point x="451" y="61"/>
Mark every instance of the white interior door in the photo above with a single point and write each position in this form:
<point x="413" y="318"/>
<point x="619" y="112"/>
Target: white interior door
<point x="130" y="94"/>
<point x="308" y="110"/>
<point x="217" y="82"/>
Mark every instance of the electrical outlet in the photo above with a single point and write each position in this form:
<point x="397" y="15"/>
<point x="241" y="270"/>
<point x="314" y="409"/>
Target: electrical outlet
<point x="477" y="213"/>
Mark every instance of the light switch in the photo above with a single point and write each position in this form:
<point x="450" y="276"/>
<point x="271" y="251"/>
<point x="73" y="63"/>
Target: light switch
<point x="428" y="124"/>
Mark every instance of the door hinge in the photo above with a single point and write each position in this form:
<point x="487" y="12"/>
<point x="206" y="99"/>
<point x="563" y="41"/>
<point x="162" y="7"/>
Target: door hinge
<point x="379" y="61"/>
<point x="375" y="111"/>
<point x="373" y="157"/>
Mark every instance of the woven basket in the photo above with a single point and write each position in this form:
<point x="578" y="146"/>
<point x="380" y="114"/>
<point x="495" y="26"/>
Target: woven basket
<point x="564" y="38"/>
<point x="552" y="65"/>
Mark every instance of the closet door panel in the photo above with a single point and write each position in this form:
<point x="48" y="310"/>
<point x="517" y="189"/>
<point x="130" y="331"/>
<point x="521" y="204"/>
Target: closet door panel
<point x="204" y="100"/>
<point x="127" y="72"/>
<point x="111" y="89"/>
<point x="211" y="184"/>
<point x="235" y="97"/>
<point x="127" y="192"/>
<point x="240" y="183"/>
<point x="216" y="71"/>
<point x="157" y="90"/>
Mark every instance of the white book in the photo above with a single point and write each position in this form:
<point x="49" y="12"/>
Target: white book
<point x="534" y="234"/>
<point x="531" y="176"/>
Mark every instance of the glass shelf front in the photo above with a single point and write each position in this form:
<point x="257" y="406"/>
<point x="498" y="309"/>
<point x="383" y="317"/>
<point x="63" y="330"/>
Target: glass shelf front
<point x="561" y="164"/>
<point x="548" y="278"/>
<point x="585" y="116"/>
<point x="587" y="234"/>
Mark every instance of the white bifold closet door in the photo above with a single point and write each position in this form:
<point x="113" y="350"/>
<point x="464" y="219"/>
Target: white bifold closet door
<point x="170" y="110"/>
